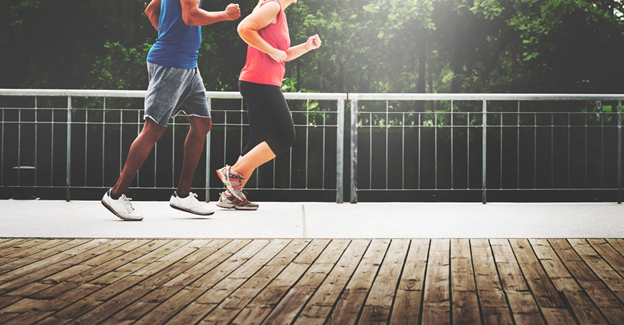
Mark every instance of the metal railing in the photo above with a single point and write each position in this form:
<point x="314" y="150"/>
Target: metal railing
<point x="400" y="143"/>
<point x="501" y="142"/>
<point x="78" y="139"/>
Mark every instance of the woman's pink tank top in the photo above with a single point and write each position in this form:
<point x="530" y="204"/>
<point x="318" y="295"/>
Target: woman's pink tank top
<point x="260" y="67"/>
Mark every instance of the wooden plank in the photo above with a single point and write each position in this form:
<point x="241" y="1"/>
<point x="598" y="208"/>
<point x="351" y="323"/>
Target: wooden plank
<point x="522" y="304"/>
<point x="582" y="307"/>
<point x="97" y="298"/>
<point x="437" y="294"/>
<point x="601" y="268"/>
<point x="52" y="265"/>
<point x="609" y="254"/>
<point x="407" y="303"/>
<point x="378" y="304"/>
<point x="194" y="263"/>
<point x="302" y="273"/>
<point x="463" y="286"/>
<point x="322" y="301"/>
<point x="152" y="276"/>
<point x="182" y="306"/>
<point x="353" y="296"/>
<point x="10" y="243"/>
<point x="239" y="298"/>
<point x="494" y="306"/>
<point x="27" y="247"/>
<point x="543" y="290"/>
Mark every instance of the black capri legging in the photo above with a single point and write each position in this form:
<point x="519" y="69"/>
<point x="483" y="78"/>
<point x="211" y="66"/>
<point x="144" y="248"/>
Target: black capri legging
<point x="269" y="117"/>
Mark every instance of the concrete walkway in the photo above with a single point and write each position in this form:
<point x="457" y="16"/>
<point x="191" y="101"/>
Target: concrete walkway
<point x="89" y="219"/>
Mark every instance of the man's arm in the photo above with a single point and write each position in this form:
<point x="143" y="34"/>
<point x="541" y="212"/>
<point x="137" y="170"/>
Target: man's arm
<point x="193" y="15"/>
<point x="153" y="12"/>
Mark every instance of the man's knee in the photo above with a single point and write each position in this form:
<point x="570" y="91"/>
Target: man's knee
<point x="152" y="130"/>
<point x="201" y="125"/>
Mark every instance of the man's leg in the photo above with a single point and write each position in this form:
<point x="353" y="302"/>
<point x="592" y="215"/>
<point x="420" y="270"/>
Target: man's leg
<point x="193" y="147"/>
<point x="139" y="150"/>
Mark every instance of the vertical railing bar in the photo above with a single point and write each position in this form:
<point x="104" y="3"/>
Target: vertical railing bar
<point x="452" y="146"/>
<point x="484" y="155"/>
<point x="468" y="150"/>
<point x="208" y="144"/>
<point x="138" y="174"/>
<point x="619" y="154"/>
<point x="370" y="150"/>
<point x="68" y="162"/>
<point x="174" y="126"/>
<point x="586" y="184"/>
<point x="103" y="140"/>
<point x="155" y="163"/>
<point x="291" y="169"/>
<point x="307" y="146"/>
<point x="419" y="143"/>
<point x="86" y="130"/>
<point x="354" y="147"/>
<point x="518" y="148"/>
<point x="36" y="140"/>
<point x="19" y="145"/>
<point x="323" y="153"/>
<point x="535" y="150"/>
<point x="52" y="149"/>
<point x="403" y="152"/>
<point x="120" y="139"/>
<point x="569" y="152"/>
<point x="602" y="152"/>
<point x="435" y="148"/>
<point x="387" y="130"/>
<point x="552" y="150"/>
<point x="340" y="152"/>
<point x="2" y="152"/>
<point x="500" y="168"/>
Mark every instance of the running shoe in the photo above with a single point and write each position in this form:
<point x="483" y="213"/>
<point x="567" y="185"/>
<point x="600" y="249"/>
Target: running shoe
<point x="121" y="207"/>
<point x="233" y="181"/>
<point x="189" y="204"/>
<point x="231" y="202"/>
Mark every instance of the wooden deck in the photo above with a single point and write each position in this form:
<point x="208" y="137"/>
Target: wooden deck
<point x="286" y="281"/>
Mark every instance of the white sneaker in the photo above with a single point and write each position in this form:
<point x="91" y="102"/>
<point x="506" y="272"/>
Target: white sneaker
<point x="189" y="204"/>
<point x="121" y="207"/>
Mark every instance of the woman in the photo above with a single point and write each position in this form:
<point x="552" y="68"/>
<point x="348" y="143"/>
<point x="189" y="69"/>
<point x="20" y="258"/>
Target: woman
<point x="271" y="128"/>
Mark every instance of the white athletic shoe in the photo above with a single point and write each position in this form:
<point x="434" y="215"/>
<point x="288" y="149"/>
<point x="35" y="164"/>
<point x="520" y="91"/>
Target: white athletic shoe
<point x="189" y="204"/>
<point x="121" y="207"/>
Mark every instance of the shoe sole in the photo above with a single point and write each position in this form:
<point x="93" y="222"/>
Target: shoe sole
<point x="228" y="185"/>
<point x="189" y="211"/>
<point x="116" y="214"/>
<point x="237" y="208"/>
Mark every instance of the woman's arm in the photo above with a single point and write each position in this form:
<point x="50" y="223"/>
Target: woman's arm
<point x="313" y="43"/>
<point x="258" y="19"/>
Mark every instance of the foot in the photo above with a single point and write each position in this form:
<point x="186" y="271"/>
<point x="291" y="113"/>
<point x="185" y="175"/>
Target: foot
<point x="189" y="204"/>
<point x="121" y="207"/>
<point x="232" y="180"/>
<point x="231" y="202"/>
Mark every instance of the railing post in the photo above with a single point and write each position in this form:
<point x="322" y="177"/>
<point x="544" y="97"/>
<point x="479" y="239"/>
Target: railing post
<point x="68" y="164"/>
<point x="209" y="101"/>
<point x="484" y="155"/>
<point x="354" y="145"/>
<point x="619" y="157"/>
<point x="340" y="152"/>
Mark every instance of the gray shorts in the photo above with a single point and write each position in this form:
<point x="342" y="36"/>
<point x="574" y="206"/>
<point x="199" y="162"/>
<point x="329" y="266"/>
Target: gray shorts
<point x="174" y="91"/>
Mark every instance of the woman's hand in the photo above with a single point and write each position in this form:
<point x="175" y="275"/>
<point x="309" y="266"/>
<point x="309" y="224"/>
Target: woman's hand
<point x="278" y="55"/>
<point x="313" y="43"/>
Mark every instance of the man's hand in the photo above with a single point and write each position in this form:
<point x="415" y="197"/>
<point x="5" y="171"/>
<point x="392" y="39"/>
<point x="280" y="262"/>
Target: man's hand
<point x="313" y="43"/>
<point x="232" y="11"/>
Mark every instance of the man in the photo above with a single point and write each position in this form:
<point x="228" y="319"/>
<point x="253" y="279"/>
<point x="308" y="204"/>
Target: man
<point x="175" y="87"/>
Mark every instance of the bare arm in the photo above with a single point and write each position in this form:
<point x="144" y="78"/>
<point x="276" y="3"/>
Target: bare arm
<point x="193" y="15"/>
<point x="258" y="19"/>
<point x="313" y="43"/>
<point x="153" y="12"/>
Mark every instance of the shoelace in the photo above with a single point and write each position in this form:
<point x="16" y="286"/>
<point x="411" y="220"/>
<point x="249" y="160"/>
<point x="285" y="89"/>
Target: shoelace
<point x="126" y="202"/>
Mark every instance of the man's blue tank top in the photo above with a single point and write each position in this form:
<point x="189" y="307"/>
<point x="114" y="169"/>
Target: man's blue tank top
<point x="177" y="44"/>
